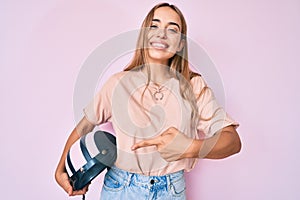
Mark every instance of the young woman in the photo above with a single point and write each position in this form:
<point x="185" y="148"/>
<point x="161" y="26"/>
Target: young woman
<point x="165" y="116"/>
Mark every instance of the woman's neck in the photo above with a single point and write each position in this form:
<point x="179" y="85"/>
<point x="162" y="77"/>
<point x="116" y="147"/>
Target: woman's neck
<point x="158" y="73"/>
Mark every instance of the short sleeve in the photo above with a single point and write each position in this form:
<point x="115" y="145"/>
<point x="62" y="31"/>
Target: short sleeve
<point x="212" y="117"/>
<point x="98" y="111"/>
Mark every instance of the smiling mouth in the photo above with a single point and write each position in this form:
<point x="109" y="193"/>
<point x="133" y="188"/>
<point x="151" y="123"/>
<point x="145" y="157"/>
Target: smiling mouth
<point x="159" y="45"/>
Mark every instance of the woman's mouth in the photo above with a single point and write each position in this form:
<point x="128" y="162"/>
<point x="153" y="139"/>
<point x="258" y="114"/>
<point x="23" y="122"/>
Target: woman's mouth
<point x="159" y="45"/>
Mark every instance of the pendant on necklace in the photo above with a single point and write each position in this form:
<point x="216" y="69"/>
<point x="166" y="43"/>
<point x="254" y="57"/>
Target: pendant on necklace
<point x="158" y="95"/>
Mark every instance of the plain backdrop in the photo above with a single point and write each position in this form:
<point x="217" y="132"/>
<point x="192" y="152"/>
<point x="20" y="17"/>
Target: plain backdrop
<point x="254" y="44"/>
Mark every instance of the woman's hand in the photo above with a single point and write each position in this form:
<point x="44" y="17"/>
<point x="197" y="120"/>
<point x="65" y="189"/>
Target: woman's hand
<point x="63" y="180"/>
<point x="171" y="144"/>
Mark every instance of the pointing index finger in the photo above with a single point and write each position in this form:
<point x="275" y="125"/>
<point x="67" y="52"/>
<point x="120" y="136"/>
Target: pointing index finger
<point x="145" y="143"/>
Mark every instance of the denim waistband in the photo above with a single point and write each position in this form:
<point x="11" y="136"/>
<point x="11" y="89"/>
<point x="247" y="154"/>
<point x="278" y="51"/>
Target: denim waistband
<point x="146" y="181"/>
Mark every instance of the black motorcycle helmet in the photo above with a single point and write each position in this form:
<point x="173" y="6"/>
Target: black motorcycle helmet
<point x="96" y="151"/>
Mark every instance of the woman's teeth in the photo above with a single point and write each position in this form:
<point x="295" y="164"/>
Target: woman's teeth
<point x="159" y="45"/>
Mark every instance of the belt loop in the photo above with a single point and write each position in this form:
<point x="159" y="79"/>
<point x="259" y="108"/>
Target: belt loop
<point x="129" y="178"/>
<point x="168" y="182"/>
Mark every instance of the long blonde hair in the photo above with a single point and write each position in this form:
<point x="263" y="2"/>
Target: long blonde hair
<point x="178" y="64"/>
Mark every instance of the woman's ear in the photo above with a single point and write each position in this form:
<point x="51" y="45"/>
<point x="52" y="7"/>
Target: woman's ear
<point x="181" y="45"/>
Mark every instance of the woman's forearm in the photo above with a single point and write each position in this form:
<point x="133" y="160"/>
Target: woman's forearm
<point x="219" y="146"/>
<point x="82" y="128"/>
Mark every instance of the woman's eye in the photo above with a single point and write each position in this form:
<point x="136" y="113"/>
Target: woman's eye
<point x="153" y="26"/>
<point x="172" y="30"/>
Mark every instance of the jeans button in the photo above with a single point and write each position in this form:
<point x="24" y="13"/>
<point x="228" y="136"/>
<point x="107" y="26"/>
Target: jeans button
<point x="152" y="181"/>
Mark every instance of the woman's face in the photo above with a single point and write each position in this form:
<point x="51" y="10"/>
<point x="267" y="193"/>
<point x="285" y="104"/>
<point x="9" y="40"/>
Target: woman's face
<point x="164" y="35"/>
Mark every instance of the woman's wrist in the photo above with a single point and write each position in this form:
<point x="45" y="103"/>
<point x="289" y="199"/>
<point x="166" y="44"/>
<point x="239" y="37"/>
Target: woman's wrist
<point x="193" y="150"/>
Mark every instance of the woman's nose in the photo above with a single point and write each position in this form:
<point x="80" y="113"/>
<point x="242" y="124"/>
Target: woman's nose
<point x="162" y="33"/>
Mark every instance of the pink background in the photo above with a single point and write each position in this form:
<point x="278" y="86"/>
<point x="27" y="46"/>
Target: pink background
<point x="254" y="43"/>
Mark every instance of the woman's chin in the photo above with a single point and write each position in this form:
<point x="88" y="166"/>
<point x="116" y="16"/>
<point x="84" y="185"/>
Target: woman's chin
<point x="160" y="55"/>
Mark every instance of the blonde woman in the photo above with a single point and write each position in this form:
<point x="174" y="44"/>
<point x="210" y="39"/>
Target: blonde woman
<point x="164" y="115"/>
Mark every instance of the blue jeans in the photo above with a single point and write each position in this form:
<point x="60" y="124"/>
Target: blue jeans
<point x="123" y="185"/>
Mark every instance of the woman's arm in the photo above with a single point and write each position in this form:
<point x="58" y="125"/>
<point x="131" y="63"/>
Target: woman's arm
<point x="221" y="145"/>
<point x="174" y="145"/>
<point x="61" y="176"/>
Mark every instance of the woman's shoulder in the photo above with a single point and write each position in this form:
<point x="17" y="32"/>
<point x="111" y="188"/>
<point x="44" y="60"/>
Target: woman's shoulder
<point x="122" y="77"/>
<point x="117" y="76"/>
<point x="112" y="80"/>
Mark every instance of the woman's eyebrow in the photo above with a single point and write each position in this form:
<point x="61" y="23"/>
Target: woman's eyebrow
<point x="170" y="23"/>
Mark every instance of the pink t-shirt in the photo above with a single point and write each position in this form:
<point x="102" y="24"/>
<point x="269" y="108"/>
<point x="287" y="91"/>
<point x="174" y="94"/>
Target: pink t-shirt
<point x="138" y="112"/>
